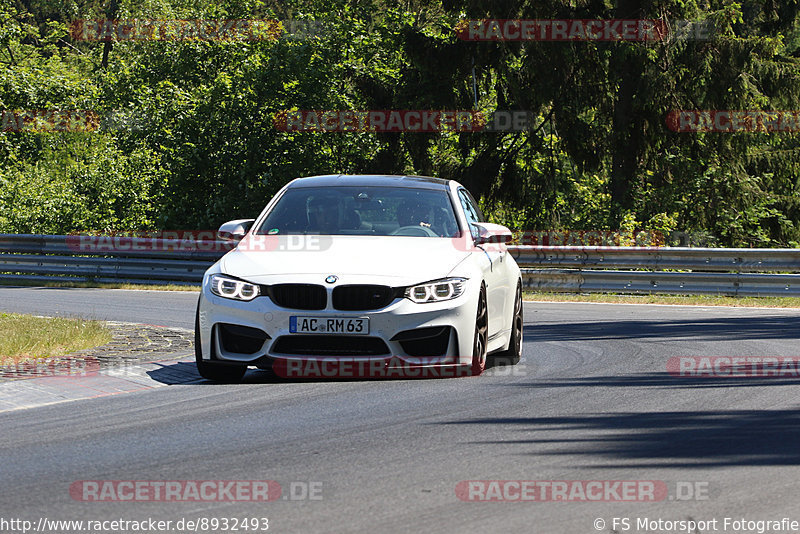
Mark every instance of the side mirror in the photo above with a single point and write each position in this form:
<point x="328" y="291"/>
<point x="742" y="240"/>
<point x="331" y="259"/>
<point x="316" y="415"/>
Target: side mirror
<point x="492" y="233"/>
<point x="234" y="230"/>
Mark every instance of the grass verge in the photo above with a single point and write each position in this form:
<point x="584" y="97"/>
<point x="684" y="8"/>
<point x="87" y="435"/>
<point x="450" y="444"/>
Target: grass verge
<point x="25" y="337"/>
<point x="685" y="300"/>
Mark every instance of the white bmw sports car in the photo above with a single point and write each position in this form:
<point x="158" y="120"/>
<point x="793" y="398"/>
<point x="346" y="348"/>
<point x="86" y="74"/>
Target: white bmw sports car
<point x="357" y="276"/>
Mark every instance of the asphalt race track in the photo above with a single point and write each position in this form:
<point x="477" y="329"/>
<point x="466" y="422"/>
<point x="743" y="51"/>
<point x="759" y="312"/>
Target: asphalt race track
<point x="591" y="401"/>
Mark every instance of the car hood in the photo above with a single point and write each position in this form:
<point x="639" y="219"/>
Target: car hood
<point x="388" y="260"/>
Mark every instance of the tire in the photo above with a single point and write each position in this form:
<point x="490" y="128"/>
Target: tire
<point x="215" y="372"/>
<point x="480" y="339"/>
<point x="512" y="355"/>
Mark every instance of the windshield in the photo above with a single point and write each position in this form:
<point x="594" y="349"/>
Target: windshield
<point x="350" y="210"/>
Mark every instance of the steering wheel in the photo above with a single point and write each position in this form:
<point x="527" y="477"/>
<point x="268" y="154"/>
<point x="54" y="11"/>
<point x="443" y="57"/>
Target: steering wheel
<point x="422" y="231"/>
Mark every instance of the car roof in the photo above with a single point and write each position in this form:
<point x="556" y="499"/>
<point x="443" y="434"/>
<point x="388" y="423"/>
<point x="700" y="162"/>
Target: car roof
<point x="361" y="180"/>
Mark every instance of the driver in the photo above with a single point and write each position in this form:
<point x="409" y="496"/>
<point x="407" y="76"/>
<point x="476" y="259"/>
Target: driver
<point x="324" y="211"/>
<point x="415" y="214"/>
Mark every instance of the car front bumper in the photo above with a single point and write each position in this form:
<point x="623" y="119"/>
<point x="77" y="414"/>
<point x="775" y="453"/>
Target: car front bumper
<point x="391" y="342"/>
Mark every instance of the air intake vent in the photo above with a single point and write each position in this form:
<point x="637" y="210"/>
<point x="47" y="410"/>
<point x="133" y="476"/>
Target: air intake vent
<point x="241" y="339"/>
<point x="322" y="345"/>
<point x="428" y="341"/>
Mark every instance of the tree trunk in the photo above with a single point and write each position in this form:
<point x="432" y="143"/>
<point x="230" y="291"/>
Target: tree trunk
<point x="626" y="132"/>
<point x="111" y="14"/>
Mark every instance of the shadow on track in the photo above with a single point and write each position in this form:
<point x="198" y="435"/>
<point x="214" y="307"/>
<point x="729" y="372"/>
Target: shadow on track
<point x="183" y="373"/>
<point x="718" y="328"/>
<point x="666" y="439"/>
<point x="661" y="380"/>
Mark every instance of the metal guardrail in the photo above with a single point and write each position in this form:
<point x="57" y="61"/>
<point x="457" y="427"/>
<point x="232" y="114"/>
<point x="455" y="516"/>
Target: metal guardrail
<point x="686" y="283"/>
<point x="722" y="271"/>
<point x="116" y="246"/>
<point x="659" y="258"/>
<point x="56" y="258"/>
<point x="716" y="271"/>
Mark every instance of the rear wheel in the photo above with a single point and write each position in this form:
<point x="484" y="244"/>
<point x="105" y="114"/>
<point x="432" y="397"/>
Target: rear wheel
<point x="481" y="335"/>
<point x="218" y="372"/>
<point x="512" y="355"/>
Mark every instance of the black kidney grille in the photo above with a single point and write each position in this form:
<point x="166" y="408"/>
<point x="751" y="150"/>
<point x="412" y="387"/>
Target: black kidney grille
<point x="299" y="296"/>
<point x="362" y="297"/>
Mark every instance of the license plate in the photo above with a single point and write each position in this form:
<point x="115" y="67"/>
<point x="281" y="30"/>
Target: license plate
<point x="299" y="324"/>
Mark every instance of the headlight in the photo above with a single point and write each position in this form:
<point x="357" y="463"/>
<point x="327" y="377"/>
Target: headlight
<point x="436" y="291"/>
<point x="231" y="288"/>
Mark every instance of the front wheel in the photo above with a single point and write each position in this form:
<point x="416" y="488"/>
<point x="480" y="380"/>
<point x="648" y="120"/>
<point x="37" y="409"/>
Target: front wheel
<point x="481" y="335"/>
<point x="512" y="355"/>
<point x="216" y="372"/>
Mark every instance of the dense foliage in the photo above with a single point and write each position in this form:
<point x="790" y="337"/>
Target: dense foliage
<point x="187" y="138"/>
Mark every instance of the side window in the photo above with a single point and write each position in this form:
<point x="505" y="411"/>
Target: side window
<point x="471" y="210"/>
